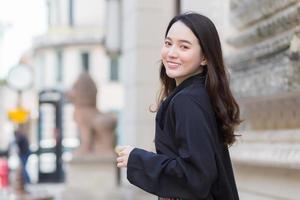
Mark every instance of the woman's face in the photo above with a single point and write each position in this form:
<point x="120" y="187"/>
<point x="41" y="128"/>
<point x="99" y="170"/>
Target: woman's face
<point x="181" y="53"/>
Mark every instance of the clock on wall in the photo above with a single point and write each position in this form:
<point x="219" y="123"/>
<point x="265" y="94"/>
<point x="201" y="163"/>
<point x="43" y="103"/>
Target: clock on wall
<point x="20" y="77"/>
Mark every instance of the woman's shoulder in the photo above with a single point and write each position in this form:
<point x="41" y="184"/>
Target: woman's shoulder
<point x="191" y="100"/>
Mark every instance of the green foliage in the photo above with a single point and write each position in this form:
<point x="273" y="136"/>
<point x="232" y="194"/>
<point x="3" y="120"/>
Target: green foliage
<point x="2" y="82"/>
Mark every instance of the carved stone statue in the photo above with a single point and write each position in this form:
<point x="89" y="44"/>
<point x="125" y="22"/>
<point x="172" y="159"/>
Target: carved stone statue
<point x="97" y="129"/>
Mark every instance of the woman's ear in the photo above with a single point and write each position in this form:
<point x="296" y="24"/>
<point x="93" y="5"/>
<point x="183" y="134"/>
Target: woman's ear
<point x="203" y="62"/>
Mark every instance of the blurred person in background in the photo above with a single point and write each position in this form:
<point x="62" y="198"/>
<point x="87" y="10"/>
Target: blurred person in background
<point x="22" y="144"/>
<point x="195" y="122"/>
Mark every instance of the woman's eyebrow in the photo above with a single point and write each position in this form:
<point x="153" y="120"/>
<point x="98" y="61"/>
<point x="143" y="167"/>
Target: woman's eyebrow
<point x="186" y="41"/>
<point x="182" y="41"/>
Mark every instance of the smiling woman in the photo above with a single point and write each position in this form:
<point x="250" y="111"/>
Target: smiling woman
<point x="195" y="121"/>
<point x="182" y="55"/>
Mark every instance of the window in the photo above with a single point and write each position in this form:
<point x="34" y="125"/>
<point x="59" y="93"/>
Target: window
<point x="71" y="13"/>
<point x="40" y="78"/>
<point x="85" y="61"/>
<point x="49" y="13"/>
<point x="114" y="69"/>
<point x="59" y="66"/>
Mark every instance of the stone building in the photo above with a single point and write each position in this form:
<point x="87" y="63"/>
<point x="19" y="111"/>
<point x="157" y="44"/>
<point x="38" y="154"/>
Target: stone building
<point x="266" y="78"/>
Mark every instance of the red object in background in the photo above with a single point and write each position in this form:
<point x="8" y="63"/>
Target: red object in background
<point x="3" y="173"/>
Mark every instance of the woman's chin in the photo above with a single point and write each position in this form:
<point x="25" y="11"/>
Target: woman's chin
<point x="171" y="74"/>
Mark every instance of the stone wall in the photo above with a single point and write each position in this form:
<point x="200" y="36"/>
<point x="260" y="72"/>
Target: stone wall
<point x="265" y="66"/>
<point x="265" y="76"/>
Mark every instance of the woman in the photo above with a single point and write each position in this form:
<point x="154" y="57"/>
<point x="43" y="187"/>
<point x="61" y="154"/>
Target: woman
<point x="195" y="121"/>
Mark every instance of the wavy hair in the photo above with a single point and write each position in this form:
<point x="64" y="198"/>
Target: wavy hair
<point x="217" y="82"/>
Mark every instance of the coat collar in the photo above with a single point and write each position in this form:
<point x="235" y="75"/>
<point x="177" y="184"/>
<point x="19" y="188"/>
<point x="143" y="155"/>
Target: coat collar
<point x="199" y="78"/>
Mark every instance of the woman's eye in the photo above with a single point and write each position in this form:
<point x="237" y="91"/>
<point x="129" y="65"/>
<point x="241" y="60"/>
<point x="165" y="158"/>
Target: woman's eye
<point x="184" y="47"/>
<point x="167" y="43"/>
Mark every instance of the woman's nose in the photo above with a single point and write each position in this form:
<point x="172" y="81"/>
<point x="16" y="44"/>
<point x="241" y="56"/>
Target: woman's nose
<point x="172" y="52"/>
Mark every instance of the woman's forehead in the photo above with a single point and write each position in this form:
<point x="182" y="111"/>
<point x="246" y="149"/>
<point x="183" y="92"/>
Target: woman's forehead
<point x="179" y="31"/>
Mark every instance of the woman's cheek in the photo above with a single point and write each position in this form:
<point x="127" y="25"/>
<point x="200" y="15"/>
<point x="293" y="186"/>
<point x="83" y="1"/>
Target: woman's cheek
<point x="163" y="53"/>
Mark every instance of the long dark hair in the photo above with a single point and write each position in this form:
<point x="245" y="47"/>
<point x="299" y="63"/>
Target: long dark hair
<point x="217" y="85"/>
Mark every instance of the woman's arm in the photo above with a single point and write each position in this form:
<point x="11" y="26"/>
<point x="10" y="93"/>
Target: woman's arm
<point x="190" y="174"/>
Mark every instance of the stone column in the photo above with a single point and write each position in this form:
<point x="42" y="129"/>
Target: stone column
<point x="144" y="23"/>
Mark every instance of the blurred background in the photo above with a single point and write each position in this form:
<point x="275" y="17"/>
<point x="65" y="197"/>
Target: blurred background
<point x="77" y="77"/>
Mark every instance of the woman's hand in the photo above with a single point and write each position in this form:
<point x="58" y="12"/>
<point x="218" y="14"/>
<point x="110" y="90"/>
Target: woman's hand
<point x="123" y="154"/>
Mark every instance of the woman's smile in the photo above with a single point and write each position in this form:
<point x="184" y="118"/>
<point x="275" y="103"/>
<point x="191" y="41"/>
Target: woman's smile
<point x="173" y="65"/>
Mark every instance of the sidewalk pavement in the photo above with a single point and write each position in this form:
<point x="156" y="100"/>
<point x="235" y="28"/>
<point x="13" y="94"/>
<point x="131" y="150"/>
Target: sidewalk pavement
<point x="124" y="192"/>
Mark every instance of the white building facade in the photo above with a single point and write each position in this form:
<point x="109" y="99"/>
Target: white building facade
<point x="74" y="44"/>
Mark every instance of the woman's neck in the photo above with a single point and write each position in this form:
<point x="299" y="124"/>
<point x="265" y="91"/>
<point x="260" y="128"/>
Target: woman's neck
<point x="179" y="80"/>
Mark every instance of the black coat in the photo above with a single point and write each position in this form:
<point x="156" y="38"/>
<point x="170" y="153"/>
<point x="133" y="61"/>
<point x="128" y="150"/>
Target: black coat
<point x="191" y="162"/>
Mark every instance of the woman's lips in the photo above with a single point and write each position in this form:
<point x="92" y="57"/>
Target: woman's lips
<point x="173" y="65"/>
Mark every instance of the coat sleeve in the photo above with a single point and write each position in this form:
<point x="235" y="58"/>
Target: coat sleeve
<point x="190" y="174"/>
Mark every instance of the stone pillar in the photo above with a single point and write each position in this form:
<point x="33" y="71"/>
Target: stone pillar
<point x="144" y="23"/>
